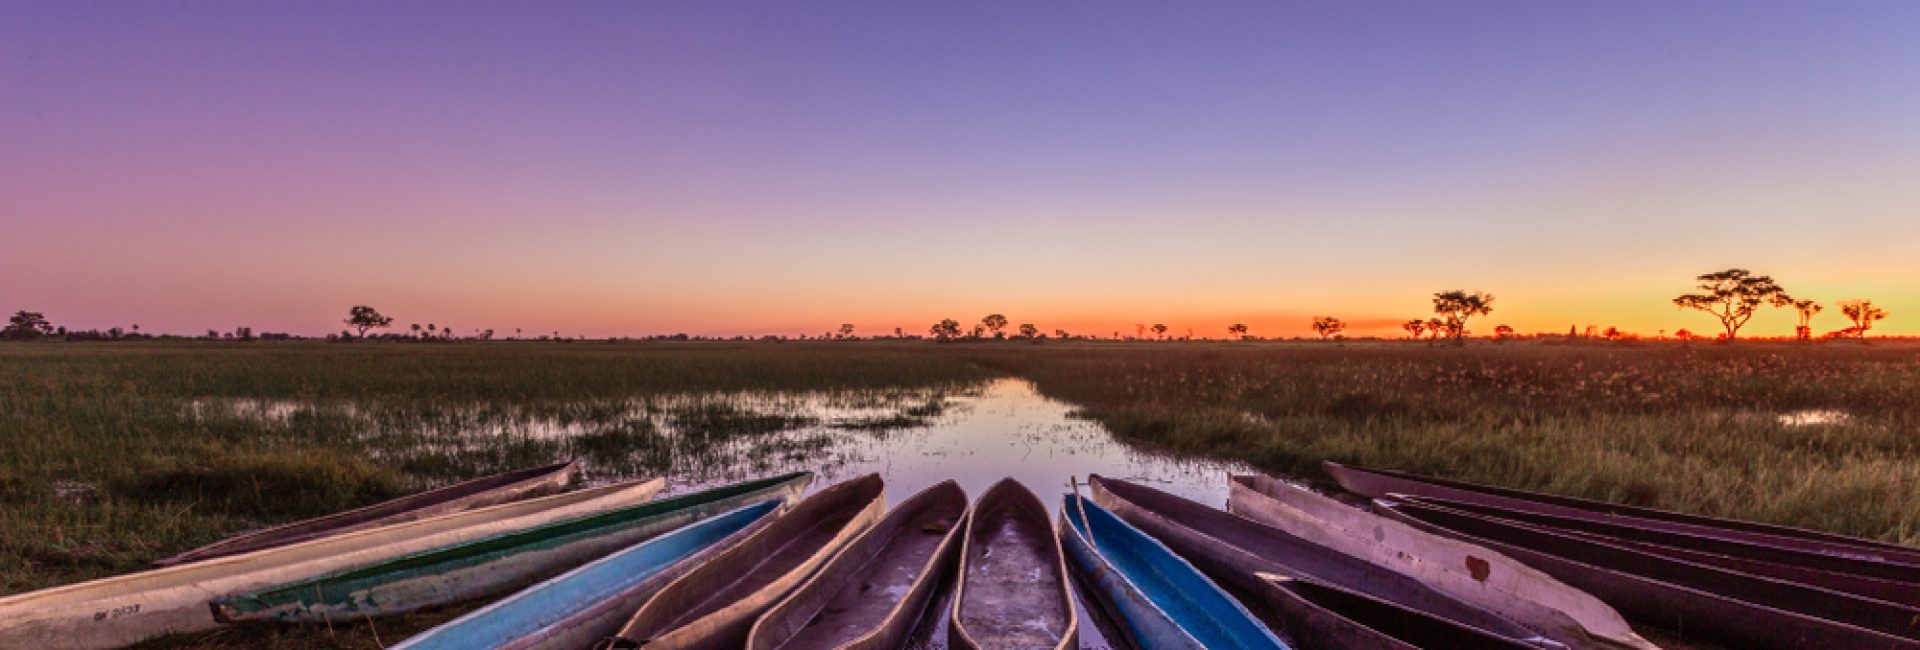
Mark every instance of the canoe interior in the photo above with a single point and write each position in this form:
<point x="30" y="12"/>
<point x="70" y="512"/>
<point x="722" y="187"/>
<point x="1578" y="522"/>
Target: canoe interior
<point x="534" y="610"/>
<point x="1013" y="590"/>
<point x="1378" y="483"/>
<point x="479" y="568"/>
<point x="771" y="557"/>
<point x="505" y="487"/>
<point x="1321" y="616"/>
<point x="1171" y="586"/>
<point x="1230" y="549"/>
<point x="864" y="591"/>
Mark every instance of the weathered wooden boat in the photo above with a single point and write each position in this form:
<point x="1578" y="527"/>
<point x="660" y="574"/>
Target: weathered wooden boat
<point x="1886" y="581"/>
<point x="1231" y="549"/>
<point x="120" y="610"/>
<point x="477" y="493"/>
<point x="490" y="566"/>
<point x="1377" y="483"/>
<point x="1325" y="616"/>
<point x="1473" y="574"/>
<point x="872" y="594"/>
<point x="1724" y="606"/>
<point x="1158" y="599"/>
<point x="714" y="606"/>
<point x="577" y="608"/>
<point x="1011" y="590"/>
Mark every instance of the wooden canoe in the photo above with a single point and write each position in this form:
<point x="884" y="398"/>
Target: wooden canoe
<point x="120" y="610"/>
<point x="714" y="606"/>
<point x="872" y="594"/>
<point x="1473" y="574"/>
<point x="1160" y="600"/>
<point x="577" y="608"/>
<point x="492" y="566"/>
<point x="1011" y="590"/>
<point x="1378" y="483"/>
<point x="1724" y="606"/>
<point x="1231" y="549"/>
<point x="1898" y="583"/>
<point x="1325" y="616"/>
<point x="477" y="493"/>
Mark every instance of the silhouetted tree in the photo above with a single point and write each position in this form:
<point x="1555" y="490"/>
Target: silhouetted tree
<point x="1414" y="328"/>
<point x="1237" y="330"/>
<point x="1683" y="334"/>
<point x="1863" y="314"/>
<point x="1328" y="327"/>
<point x="846" y="330"/>
<point x="1028" y="330"/>
<point x="1806" y="309"/>
<point x="945" y="330"/>
<point x="1457" y="306"/>
<point x="416" y="330"/>
<point x="1159" y="330"/>
<point x="995" y="322"/>
<point x="1435" y="328"/>
<point x="363" y="318"/>
<point x="1503" y="332"/>
<point x="1059" y="334"/>
<point x="27" y="325"/>
<point x="1732" y="296"/>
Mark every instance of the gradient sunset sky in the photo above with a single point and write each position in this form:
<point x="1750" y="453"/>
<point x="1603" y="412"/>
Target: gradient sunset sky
<point x="633" y="168"/>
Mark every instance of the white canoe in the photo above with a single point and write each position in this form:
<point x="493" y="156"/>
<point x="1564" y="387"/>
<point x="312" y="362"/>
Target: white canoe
<point x="1468" y="572"/>
<point x="120" y="610"/>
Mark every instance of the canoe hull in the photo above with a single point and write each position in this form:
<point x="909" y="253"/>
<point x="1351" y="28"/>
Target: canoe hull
<point x="1012" y="588"/>
<point x="121" y="610"/>
<point x="873" y="593"/>
<point x="1324" y="616"/>
<point x="467" y="495"/>
<point x="493" y="566"/>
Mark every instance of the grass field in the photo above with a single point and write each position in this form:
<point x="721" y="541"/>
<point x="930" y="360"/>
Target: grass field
<point x="114" y="454"/>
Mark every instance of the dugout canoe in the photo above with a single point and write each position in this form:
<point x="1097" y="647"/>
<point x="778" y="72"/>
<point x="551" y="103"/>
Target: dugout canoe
<point x="492" y="566"/>
<point x="1159" y="600"/>
<point x="1011" y="588"/>
<point x="120" y="610"/>
<point x="714" y="606"/>
<point x="1472" y="574"/>
<point x="1231" y="549"/>
<point x="1379" y="483"/>
<point x="872" y="594"/>
<point x="1728" y="607"/>
<point x="577" y="608"/>
<point x="1325" y="616"/>
<point x="477" y="493"/>
<point x="1881" y="580"/>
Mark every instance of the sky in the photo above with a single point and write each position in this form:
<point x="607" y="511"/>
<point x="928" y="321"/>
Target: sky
<point x="622" y="168"/>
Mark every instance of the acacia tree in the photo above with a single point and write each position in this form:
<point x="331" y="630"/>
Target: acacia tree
<point x="1327" y="326"/>
<point x="1029" y="330"/>
<point x="1733" y="296"/>
<point x="1160" y="330"/>
<point x="363" y="318"/>
<point x="1237" y="330"/>
<point x="945" y="330"/>
<point x="27" y="325"/>
<point x="995" y="322"/>
<point x="1436" y="327"/>
<point x="1503" y="332"/>
<point x="1457" y="306"/>
<point x="846" y="330"/>
<point x="1414" y="328"/>
<point x="1806" y="308"/>
<point x="1863" y="314"/>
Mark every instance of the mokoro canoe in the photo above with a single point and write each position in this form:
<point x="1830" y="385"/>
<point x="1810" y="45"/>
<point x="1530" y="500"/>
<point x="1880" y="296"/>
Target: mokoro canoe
<point x="872" y="594"/>
<point x="577" y="608"/>
<point x="492" y="566"/>
<point x="120" y="610"/>
<point x="1723" y="606"/>
<point x="1378" y="483"/>
<point x="1160" y="600"/>
<point x="714" y="606"/>
<point x="1231" y="549"/>
<point x="1324" y="616"/>
<point x="1886" y="581"/>
<point x="1473" y="574"/>
<point x="477" y="493"/>
<point x="1011" y="590"/>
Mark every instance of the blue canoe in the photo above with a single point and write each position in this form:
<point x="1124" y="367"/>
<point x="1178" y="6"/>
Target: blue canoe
<point x="578" y="607"/>
<point x="1160" y="601"/>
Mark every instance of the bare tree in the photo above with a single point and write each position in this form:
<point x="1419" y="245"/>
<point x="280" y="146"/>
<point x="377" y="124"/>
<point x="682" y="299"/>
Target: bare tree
<point x="362" y="318"/>
<point x="1328" y="327"/>
<point x="1733" y="296"/>
<point x="1863" y="314"/>
<point x="1457" y="306"/>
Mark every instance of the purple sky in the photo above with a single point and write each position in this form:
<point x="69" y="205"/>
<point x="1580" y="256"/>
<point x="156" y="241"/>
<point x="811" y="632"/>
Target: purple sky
<point x="633" y="168"/>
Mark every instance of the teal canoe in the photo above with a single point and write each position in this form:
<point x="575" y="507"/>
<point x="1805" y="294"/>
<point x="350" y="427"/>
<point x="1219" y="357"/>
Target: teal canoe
<point x="1160" y="600"/>
<point x="576" y="608"/>
<point x="490" y="566"/>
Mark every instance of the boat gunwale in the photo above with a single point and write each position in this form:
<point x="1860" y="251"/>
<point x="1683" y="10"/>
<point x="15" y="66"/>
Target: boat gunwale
<point x="1008" y="489"/>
